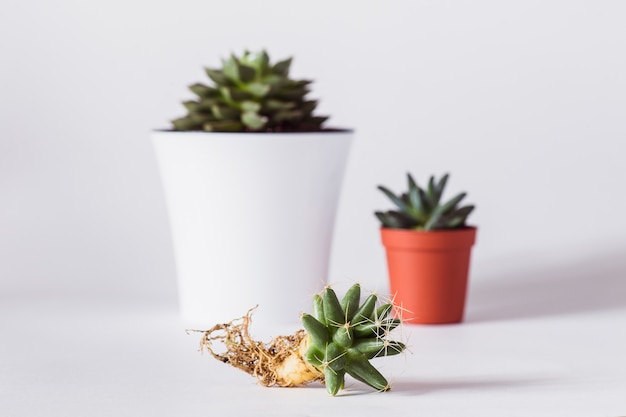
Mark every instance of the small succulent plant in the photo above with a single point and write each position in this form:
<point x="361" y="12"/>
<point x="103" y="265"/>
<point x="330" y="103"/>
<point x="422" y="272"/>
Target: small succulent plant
<point x="421" y="209"/>
<point x="251" y="94"/>
<point x="345" y="335"/>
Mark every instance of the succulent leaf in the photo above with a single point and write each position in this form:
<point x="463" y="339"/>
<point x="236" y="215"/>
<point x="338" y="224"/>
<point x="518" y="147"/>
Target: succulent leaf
<point x="333" y="380"/>
<point x="361" y="368"/>
<point x="398" y="201"/>
<point x="332" y="308"/>
<point x="253" y="120"/>
<point x="217" y="76"/>
<point x="282" y="68"/>
<point x="365" y="311"/>
<point x="317" y="331"/>
<point x="343" y="336"/>
<point x="335" y="357"/>
<point x="420" y="208"/>
<point x="383" y="311"/>
<point x="391" y="348"/>
<point x="318" y="309"/>
<point x="350" y="301"/>
<point x="246" y="73"/>
<point x="314" y="356"/>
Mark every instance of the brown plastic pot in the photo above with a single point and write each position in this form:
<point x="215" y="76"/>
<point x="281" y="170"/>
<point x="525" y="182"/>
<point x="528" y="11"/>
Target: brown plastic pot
<point x="428" y="272"/>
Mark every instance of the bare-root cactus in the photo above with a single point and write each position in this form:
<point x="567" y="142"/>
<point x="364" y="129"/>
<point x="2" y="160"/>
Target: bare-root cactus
<point x="340" y="337"/>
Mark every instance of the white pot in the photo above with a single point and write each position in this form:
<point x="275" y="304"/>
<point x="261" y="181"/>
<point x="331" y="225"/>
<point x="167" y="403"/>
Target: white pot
<point x="252" y="217"/>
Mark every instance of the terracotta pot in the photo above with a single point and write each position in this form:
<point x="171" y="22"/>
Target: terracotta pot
<point x="428" y="272"/>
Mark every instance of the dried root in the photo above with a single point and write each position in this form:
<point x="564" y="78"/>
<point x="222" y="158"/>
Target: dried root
<point x="280" y="363"/>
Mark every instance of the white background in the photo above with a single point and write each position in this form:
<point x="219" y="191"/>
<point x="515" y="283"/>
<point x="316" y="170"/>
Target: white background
<point x="523" y="103"/>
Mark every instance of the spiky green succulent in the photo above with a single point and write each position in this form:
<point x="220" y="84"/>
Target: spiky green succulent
<point x="345" y="335"/>
<point x="251" y="94"/>
<point x="421" y="208"/>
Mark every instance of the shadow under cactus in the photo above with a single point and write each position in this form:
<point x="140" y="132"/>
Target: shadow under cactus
<point x="420" y="387"/>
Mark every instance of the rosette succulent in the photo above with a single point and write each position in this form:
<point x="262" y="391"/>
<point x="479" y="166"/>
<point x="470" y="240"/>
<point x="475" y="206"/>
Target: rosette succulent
<point x="249" y="93"/>
<point x="421" y="208"/>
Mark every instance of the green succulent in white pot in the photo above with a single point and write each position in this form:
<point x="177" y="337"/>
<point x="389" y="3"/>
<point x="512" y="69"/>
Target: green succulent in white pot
<point x="250" y="94"/>
<point x="240" y="170"/>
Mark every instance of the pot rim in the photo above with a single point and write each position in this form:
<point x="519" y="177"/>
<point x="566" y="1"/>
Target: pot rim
<point x="323" y="131"/>
<point x="458" y="229"/>
<point x="430" y="240"/>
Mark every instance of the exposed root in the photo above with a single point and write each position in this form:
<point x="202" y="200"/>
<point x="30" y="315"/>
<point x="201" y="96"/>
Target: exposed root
<point x="281" y="362"/>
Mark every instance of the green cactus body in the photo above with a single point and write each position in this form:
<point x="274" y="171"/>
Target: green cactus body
<point x="344" y="336"/>
<point x="420" y="208"/>
<point x="251" y="94"/>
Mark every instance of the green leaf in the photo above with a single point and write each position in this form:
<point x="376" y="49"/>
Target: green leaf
<point x="202" y="90"/>
<point x="308" y="106"/>
<point x="223" y="126"/>
<point x="258" y="89"/>
<point x="225" y="91"/>
<point x="185" y="123"/>
<point x="343" y="336"/>
<point x="282" y="67"/>
<point x="316" y="120"/>
<point x="387" y="326"/>
<point x="295" y="94"/>
<point x="251" y="106"/>
<point x="332" y="308"/>
<point x="415" y="199"/>
<point x="287" y="115"/>
<point x="459" y="217"/>
<point x="369" y="346"/>
<point x="432" y="223"/>
<point x="314" y="356"/>
<point x="441" y="186"/>
<point x="383" y="311"/>
<point x="395" y="199"/>
<point x="263" y="60"/>
<point x="217" y="76"/>
<point x="360" y="367"/>
<point x="230" y="68"/>
<point x="274" y="80"/>
<point x="272" y="104"/>
<point x="253" y="120"/>
<point x="206" y="103"/>
<point x="318" y="309"/>
<point x="368" y="329"/>
<point x="392" y="348"/>
<point x="432" y="192"/>
<point x="200" y="118"/>
<point x="224" y="112"/>
<point x="395" y="220"/>
<point x="350" y="301"/>
<point x="246" y="73"/>
<point x="335" y="357"/>
<point x="333" y="380"/>
<point x="364" y="313"/>
<point x="452" y="203"/>
<point x="191" y="105"/>
<point x="316" y="330"/>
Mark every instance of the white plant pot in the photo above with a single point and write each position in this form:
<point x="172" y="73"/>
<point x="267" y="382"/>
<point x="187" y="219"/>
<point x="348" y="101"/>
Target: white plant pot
<point x="252" y="218"/>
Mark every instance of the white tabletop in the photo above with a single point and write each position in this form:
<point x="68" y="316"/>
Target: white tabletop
<point x="81" y="356"/>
